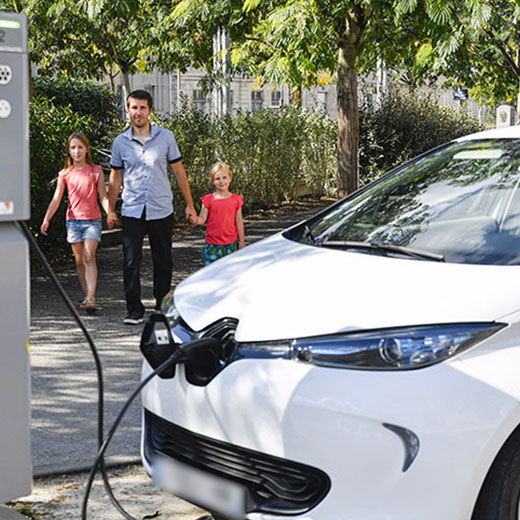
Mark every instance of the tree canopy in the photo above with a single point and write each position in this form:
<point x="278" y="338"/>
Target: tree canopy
<point x="301" y="43"/>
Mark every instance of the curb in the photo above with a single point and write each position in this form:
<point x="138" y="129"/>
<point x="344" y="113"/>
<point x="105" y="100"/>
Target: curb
<point x="7" y="513"/>
<point x="53" y="470"/>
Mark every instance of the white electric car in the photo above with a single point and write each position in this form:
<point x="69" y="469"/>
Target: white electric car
<point x="366" y="362"/>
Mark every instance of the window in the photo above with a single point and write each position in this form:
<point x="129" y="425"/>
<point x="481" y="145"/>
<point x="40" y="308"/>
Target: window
<point x="257" y="99"/>
<point x="199" y="100"/>
<point x="322" y="100"/>
<point x="276" y="98"/>
<point x="151" y="90"/>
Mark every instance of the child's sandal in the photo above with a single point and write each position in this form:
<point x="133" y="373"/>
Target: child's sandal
<point x="90" y="306"/>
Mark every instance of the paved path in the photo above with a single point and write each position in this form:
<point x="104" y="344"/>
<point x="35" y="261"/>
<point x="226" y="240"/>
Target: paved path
<point x="64" y="392"/>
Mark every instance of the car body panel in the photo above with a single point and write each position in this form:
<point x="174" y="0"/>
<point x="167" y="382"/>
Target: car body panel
<point x="373" y="291"/>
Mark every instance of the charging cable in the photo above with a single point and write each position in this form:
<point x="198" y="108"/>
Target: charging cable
<point x="100" y="410"/>
<point x="179" y="356"/>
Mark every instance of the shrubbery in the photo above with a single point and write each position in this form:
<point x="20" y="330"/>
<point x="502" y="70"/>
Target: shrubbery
<point x="83" y="98"/>
<point x="272" y="153"/>
<point x="403" y="127"/>
<point x="275" y="154"/>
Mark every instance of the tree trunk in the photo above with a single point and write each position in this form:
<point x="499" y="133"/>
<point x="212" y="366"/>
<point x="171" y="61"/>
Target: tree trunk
<point x="126" y="84"/>
<point x="125" y="88"/>
<point x="518" y="103"/>
<point x="518" y="91"/>
<point x="349" y="34"/>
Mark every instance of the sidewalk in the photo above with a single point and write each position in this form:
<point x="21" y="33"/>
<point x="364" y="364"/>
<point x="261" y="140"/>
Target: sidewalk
<point x="64" y="385"/>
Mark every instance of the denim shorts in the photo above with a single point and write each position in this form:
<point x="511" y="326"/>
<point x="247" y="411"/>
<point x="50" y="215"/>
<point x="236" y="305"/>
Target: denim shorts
<point x="79" y="230"/>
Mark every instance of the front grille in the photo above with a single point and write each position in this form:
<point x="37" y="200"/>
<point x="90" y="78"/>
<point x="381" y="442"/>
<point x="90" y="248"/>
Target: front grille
<point x="274" y="485"/>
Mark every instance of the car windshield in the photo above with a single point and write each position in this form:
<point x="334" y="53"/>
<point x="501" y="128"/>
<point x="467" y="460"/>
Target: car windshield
<point x="459" y="203"/>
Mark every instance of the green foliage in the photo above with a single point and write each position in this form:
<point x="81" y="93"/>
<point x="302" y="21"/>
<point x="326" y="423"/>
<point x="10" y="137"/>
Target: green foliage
<point x="50" y="127"/>
<point x="274" y="154"/>
<point x="404" y="127"/>
<point x="84" y="98"/>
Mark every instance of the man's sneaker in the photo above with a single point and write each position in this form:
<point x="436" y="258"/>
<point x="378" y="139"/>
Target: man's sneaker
<point x="133" y="319"/>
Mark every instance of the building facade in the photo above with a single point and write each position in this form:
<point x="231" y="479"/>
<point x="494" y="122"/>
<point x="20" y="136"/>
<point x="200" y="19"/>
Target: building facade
<point x="168" y="91"/>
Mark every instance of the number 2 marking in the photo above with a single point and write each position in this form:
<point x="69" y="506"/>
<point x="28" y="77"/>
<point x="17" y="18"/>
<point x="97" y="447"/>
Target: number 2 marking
<point x="2" y="36"/>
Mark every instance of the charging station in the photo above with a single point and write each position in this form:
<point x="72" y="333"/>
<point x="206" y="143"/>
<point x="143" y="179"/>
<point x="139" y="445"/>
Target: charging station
<point x="15" y="445"/>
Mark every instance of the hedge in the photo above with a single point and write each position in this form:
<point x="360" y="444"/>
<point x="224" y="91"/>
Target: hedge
<point x="84" y="98"/>
<point x="273" y="154"/>
<point x="403" y="127"/>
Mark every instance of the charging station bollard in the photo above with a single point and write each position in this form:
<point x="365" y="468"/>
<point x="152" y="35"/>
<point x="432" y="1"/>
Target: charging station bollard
<point x="15" y="445"/>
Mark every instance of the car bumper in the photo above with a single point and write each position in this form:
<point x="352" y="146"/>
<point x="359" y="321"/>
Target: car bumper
<point x="336" y="421"/>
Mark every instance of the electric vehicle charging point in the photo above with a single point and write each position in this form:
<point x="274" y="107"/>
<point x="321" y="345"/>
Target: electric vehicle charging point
<point x="15" y="446"/>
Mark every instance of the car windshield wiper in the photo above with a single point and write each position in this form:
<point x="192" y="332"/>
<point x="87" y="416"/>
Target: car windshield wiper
<point x="387" y="248"/>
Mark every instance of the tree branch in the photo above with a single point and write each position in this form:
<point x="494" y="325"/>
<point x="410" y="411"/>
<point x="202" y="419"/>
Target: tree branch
<point x="510" y="60"/>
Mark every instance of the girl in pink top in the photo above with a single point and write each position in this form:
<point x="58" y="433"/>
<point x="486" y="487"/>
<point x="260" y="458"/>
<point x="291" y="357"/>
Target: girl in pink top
<point x="84" y="182"/>
<point x="223" y="211"/>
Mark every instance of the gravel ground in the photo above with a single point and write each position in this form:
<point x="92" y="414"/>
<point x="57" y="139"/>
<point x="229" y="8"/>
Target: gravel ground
<point x="64" y="390"/>
<point x="61" y="498"/>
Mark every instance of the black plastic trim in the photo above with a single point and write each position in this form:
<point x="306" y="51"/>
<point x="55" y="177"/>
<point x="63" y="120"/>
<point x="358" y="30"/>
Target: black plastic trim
<point x="274" y="485"/>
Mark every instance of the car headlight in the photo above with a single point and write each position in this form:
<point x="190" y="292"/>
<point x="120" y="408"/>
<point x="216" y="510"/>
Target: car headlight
<point x="395" y="349"/>
<point x="169" y="310"/>
<point x="389" y="349"/>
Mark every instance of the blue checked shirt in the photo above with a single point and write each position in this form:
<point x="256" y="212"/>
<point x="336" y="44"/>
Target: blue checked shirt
<point x="145" y="172"/>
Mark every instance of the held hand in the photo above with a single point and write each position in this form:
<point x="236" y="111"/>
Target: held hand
<point x="112" y="220"/>
<point x="189" y="213"/>
<point x="44" y="227"/>
<point x="193" y="220"/>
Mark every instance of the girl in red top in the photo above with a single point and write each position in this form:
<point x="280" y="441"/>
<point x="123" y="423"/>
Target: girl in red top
<point x="223" y="211"/>
<point x="84" y="182"/>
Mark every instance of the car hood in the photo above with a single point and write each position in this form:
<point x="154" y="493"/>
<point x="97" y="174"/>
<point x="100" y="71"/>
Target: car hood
<point x="279" y="289"/>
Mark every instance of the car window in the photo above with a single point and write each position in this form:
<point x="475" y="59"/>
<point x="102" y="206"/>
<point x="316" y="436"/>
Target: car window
<point x="460" y="202"/>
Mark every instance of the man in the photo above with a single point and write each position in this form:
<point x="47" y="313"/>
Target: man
<point x="140" y="159"/>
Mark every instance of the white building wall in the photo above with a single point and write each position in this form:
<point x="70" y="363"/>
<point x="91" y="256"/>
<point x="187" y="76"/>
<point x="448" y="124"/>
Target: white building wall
<point x="246" y="94"/>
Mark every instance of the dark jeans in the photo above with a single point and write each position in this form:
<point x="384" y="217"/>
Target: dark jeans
<point x="160" y="236"/>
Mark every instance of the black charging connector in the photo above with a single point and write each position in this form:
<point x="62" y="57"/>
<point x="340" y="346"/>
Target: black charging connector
<point x="181" y="355"/>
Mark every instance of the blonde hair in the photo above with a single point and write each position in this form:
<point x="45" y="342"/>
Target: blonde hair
<point x="217" y="167"/>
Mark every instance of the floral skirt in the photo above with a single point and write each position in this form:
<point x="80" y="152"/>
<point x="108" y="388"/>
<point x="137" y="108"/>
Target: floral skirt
<point x="213" y="252"/>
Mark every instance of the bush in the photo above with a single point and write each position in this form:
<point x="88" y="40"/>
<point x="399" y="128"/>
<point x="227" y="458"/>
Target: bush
<point x="320" y="155"/>
<point x="272" y="153"/>
<point x="84" y="98"/>
<point x="403" y="127"/>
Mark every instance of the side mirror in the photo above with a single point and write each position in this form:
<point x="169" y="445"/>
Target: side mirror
<point x="157" y="344"/>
